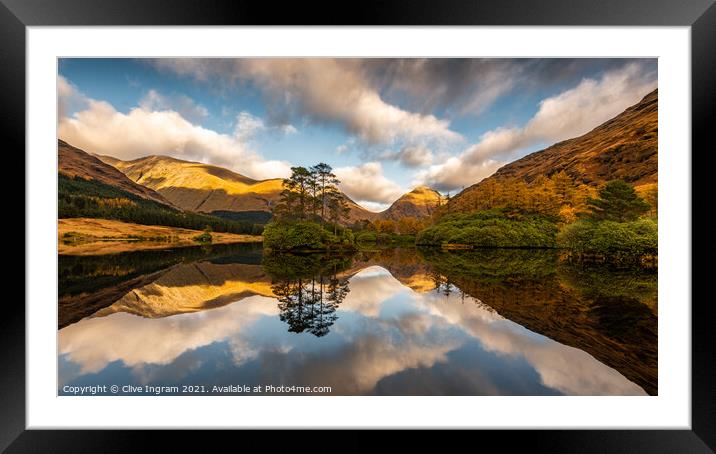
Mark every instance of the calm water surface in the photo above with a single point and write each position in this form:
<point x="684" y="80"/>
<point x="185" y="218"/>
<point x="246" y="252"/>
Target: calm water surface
<point x="391" y="322"/>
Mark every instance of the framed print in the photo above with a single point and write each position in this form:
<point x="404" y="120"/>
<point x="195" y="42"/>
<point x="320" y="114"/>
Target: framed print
<point x="237" y="221"/>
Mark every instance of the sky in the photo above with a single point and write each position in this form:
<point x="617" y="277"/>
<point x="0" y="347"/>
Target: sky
<point x="386" y="126"/>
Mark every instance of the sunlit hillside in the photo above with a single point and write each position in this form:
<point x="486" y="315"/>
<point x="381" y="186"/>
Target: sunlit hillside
<point x="623" y="148"/>
<point x="420" y="202"/>
<point x="200" y="187"/>
<point x="75" y="163"/>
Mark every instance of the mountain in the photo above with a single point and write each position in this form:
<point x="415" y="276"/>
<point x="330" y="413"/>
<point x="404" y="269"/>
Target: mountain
<point x="193" y="287"/>
<point x="418" y="203"/>
<point x="73" y="162"/>
<point x="199" y="187"/>
<point x="623" y="148"/>
<point x="206" y="188"/>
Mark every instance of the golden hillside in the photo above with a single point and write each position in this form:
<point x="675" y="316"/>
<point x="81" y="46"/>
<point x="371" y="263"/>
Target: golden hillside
<point x="623" y="148"/>
<point x="420" y="202"/>
<point x="200" y="187"/>
<point x="205" y="188"/>
<point x="74" y="162"/>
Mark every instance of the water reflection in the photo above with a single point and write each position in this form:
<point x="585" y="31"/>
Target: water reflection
<point x="308" y="289"/>
<point x="386" y="322"/>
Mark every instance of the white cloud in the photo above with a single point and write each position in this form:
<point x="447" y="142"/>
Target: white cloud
<point x="326" y="90"/>
<point x="69" y="98"/>
<point x="182" y="104"/>
<point x="287" y="129"/>
<point x="455" y="173"/>
<point x="247" y="126"/>
<point x="366" y="183"/>
<point x="569" y="114"/>
<point x="375" y="207"/>
<point x="101" y="129"/>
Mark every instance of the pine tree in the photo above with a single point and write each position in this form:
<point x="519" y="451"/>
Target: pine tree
<point x="618" y="201"/>
<point x="326" y="183"/>
<point x="337" y="209"/>
<point x="297" y="195"/>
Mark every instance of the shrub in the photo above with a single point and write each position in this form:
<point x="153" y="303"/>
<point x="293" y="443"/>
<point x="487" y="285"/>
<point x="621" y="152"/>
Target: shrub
<point x="493" y="228"/>
<point x="285" y="236"/>
<point x="305" y="235"/>
<point x="614" y="240"/>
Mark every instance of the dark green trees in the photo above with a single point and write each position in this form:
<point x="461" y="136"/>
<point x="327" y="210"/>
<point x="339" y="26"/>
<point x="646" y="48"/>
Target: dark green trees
<point x="326" y="186"/>
<point x="297" y="196"/>
<point x="310" y="201"/>
<point x="618" y="201"/>
<point x="77" y="197"/>
<point x="312" y="195"/>
<point x="614" y="229"/>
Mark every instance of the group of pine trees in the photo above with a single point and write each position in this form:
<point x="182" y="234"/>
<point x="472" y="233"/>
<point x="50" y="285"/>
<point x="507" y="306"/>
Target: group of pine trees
<point x="311" y="194"/>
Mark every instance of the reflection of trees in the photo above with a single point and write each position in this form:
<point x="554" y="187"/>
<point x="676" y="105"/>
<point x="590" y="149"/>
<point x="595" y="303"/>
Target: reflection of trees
<point x="310" y="305"/>
<point x="308" y="289"/>
<point x="492" y="265"/>
<point x="609" y="313"/>
<point x="443" y="284"/>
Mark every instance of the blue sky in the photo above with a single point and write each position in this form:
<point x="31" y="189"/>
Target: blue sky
<point x="385" y="125"/>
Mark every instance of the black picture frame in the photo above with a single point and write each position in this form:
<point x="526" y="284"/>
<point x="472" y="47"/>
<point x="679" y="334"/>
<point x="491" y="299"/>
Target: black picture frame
<point x="700" y="15"/>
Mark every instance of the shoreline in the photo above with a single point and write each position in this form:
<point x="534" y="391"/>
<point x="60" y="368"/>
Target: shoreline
<point x="90" y="236"/>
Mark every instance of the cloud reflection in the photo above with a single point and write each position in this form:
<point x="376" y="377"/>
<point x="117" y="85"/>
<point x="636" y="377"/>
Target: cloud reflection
<point x="385" y="331"/>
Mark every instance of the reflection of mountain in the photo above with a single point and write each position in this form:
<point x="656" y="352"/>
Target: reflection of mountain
<point x="403" y="264"/>
<point x="90" y="283"/>
<point x="193" y="287"/>
<point x="73" y="308"/>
